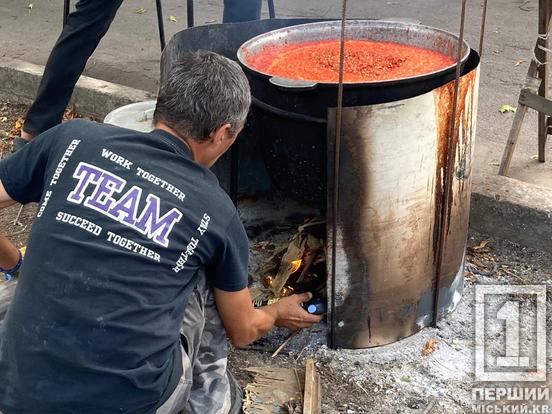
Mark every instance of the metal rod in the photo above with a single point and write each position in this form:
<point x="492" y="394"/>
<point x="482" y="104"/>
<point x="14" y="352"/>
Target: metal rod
<point x="160" y="24"/>
<point x="482" y="34"/>
<point x="271" y="10"/>
<point x="337" y="157"/>
<point x="449" y="164"/>
<point x="190" y="12"/>
<point x="66" y="7"/>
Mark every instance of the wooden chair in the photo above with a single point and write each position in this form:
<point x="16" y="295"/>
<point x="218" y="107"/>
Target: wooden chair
<point x="534" y="93"/>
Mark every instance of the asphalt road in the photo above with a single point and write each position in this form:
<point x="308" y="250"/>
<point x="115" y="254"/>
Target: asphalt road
<point x="129" y="53"/>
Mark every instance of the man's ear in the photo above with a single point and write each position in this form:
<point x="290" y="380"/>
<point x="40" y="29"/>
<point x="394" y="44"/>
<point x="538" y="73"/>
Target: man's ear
<point x="221" y="133"/>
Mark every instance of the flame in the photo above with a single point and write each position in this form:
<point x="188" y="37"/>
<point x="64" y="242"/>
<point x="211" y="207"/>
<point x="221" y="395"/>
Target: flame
<point x="268" y="281"/>
<point x="295" y="265"/>
<point x="286" y="291"/>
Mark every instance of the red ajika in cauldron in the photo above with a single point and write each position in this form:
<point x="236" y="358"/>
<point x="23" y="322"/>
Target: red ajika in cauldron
<point x="299" y="107"/>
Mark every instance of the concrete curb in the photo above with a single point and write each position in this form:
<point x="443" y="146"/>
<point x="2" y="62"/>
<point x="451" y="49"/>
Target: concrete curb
<point x="515" y="210"/>
<point x="19" y="82"/>
<point x="501" y="206"/>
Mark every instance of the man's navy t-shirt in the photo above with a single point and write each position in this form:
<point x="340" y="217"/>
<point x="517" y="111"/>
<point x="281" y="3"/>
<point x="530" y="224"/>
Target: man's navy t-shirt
<point x="124" y="224"/>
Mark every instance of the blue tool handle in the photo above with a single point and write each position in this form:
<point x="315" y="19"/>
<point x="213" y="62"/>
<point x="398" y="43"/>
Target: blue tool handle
<point x="316" y="306"/>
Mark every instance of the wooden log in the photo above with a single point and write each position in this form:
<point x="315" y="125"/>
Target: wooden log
<point x="312" y="396"/>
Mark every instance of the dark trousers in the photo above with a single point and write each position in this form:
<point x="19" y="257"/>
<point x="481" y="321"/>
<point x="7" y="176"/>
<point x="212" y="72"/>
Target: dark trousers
<point x="84" y="29"/>
<point x="241" y="10"/>
<point x="81" y="35"/>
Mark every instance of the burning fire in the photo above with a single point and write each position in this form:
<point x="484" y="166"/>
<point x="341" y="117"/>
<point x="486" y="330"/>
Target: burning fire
<point x="295" y="265"/>
<point x="287" y="291"/>
<point x="268" y="281"/>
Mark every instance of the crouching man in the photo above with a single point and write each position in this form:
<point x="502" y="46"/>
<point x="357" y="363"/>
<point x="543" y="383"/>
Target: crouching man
<point x="136" y="264"/>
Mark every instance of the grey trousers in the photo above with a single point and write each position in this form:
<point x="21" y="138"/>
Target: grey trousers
<point x="204" y="387"/>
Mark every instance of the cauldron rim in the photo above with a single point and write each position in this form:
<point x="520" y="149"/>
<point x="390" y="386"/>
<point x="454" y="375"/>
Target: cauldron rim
<point x="242" y="53"/>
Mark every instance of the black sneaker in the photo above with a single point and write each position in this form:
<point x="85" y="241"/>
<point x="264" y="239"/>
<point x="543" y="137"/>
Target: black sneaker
<point x="17" y="144"/>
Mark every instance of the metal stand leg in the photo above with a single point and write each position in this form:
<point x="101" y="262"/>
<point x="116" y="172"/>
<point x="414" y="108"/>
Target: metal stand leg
<point x="271" y="10"/>
<point x="160" y="24"/>
<point x="190" y="12"/>
<point x="66" y="7"/>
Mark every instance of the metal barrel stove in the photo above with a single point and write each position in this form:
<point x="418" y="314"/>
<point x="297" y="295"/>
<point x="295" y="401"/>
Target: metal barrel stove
<point x="392" y="175"/>
<point x="391" y="184"/>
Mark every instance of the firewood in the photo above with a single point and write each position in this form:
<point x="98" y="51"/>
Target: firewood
<point x="271" y="390"/>
<point x="286" y="341"/>
<point x="312" y="396"/>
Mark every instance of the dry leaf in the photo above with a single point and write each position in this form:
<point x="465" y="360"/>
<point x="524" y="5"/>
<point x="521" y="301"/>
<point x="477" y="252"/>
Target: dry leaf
<point x="519" y="62"/>
<point x="535" y="157"/>
<point x="70" y="113"/>
<point x="15" y="131"/>
<point x="30" y="7"/>
<point x="172" y="18"/>
<point x="481" y="245"/>
<point x="429" y="347"/>
<point x="141" y="10"/>
<point x="496" y="164"/>
<point x="506" y="108"/>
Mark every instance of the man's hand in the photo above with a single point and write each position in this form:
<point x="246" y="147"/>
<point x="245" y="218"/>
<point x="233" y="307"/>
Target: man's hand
<point x="291" y="314"/>
<point x="244" y="323"/>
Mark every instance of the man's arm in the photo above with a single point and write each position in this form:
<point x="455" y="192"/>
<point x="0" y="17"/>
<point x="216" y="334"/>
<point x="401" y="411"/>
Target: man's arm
<point x="5" y="199"/>
<point x="9" y="255"/>
<point x="244" y="323"/>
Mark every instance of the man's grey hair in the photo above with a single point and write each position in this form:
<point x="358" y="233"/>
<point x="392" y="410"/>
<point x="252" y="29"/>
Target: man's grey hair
<point x="202" y="92"/>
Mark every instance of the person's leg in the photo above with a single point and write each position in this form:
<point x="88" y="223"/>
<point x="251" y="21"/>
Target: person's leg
<point x="204" y="340"/>
<point x="84" y="29"/>
<point x="180" y="395"/>
<point x="208" y="352"/>
<point x="241" y="10"/>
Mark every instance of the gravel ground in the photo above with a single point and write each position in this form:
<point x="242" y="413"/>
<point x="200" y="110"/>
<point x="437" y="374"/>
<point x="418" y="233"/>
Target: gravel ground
<point x="392" y="379"/>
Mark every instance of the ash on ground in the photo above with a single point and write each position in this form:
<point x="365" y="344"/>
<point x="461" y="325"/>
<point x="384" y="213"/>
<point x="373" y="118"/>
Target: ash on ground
<point x="429" y="372"/>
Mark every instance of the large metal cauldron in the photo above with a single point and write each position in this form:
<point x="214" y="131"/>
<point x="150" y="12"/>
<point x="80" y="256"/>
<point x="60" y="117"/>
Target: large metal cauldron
<point x="296" y="147"/>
